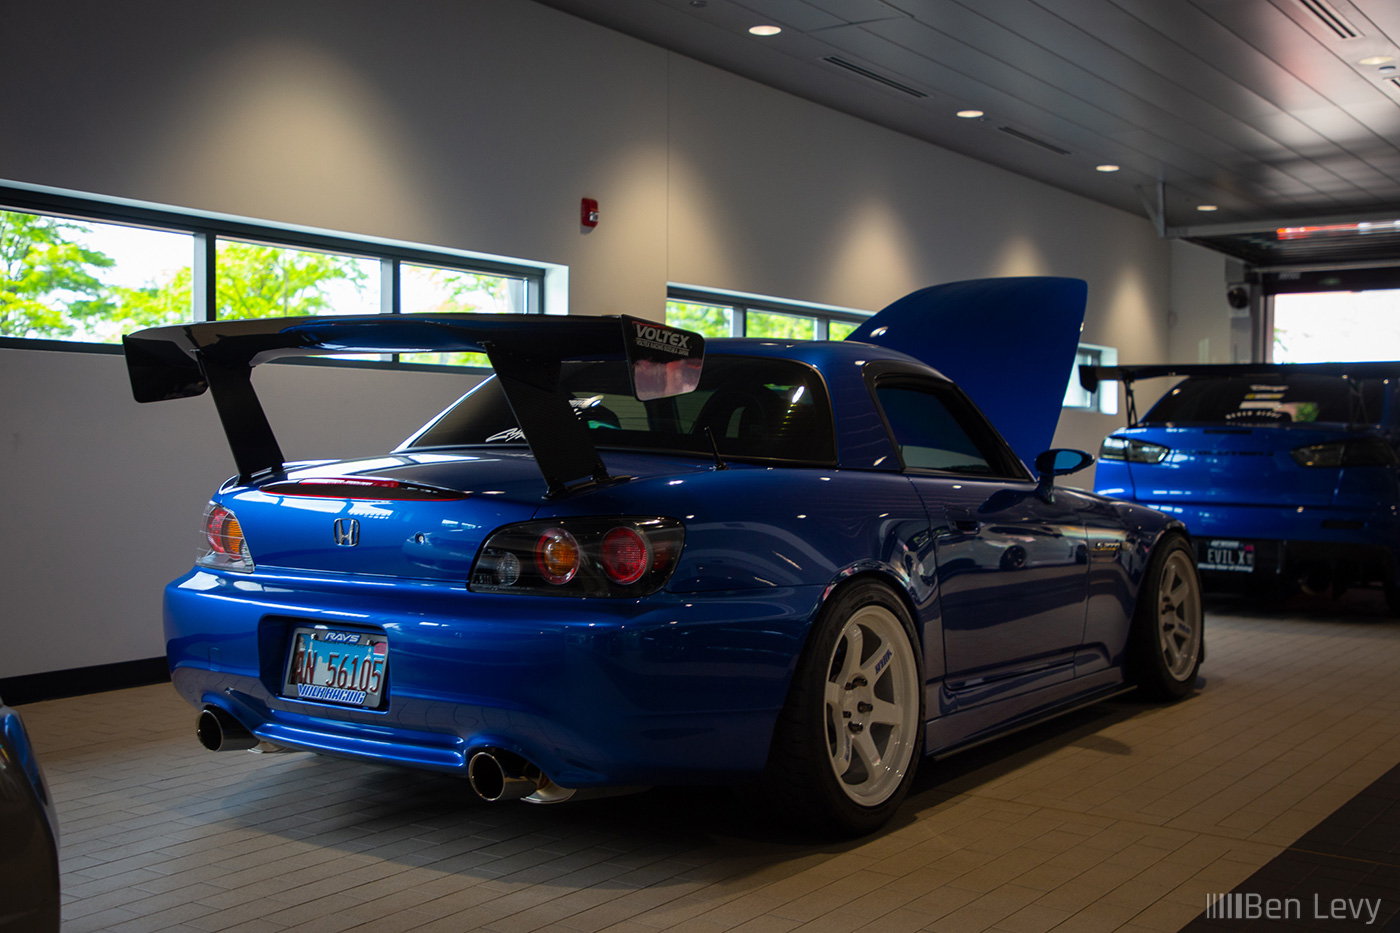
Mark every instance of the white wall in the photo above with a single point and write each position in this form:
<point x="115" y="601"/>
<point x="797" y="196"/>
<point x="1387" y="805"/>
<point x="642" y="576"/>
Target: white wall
<point x="471" y="125"/>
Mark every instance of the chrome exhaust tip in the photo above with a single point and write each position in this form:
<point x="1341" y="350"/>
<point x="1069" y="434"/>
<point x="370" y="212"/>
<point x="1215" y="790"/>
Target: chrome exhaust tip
<point x="496" y="774"/>
<point x="219" y="731"/>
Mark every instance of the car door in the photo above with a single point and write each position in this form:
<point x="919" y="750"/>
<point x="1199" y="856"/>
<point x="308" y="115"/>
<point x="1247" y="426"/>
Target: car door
<point x="1012" y="564"/>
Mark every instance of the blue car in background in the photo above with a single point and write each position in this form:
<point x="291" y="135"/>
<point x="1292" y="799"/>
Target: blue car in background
<point x="29" y="893"/>
<point x="1287" y="475"/>
<point x="636" y="557"/>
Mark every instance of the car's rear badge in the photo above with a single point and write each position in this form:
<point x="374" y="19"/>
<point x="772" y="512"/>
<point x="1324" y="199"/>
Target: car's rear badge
<point x="347" y="532"/>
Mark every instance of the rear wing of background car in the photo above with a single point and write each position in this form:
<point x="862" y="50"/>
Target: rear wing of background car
<point x="526" y="351"/>
<point x="1091" y="376"/>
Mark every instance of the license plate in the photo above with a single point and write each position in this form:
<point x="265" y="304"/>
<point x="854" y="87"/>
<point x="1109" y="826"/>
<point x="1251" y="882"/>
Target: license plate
<point x="1228" y="555"/>
<point x="336" y="666"/>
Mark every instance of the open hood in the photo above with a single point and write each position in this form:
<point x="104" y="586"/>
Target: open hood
<point x="1009" y="343"/>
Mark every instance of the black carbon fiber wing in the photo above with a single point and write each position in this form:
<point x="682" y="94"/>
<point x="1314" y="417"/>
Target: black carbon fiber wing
<point x="182" y="361"/>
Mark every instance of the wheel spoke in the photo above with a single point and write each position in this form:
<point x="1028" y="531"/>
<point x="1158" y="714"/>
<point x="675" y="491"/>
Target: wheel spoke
<point x="865" y="748"/>
<point x="885" y="713"/>
<point x="1172" y="649"/>
<point x="835" y="693"/>
<point x="872" y="669"/>
<point x="841" y="755"/>
<point x="855" y="639"/>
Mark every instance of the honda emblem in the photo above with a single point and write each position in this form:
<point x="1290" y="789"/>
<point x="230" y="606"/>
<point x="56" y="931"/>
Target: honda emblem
<point x="347" y="532"/>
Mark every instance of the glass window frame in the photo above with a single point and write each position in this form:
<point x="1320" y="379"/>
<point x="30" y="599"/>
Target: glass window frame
<point x="741" y="305"/>
<point x="1104" y="399"/>
<point x="1006" y="466"/>
<point x="207" y="232"/>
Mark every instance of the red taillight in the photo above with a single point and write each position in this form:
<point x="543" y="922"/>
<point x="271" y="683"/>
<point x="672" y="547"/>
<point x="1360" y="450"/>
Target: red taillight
<point x="222" y="544"/>
<point x="224" y="533"/>
<point x="557" y="556"/>
<point x="625" y="555"/>
<point x="586" y="555"/>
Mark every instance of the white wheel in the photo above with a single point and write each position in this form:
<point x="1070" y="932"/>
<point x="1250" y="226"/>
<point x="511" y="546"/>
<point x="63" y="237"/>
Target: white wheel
<point x="1179" y="616"/>
<point x="872" y="705"/>
<point x="1169" y="625"/>
<point x="849" y="737"/>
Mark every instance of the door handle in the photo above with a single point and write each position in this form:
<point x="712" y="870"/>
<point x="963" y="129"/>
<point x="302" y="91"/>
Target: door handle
<point x="962" y="520"/>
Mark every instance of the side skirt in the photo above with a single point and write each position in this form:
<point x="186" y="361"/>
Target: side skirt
<point x="949" y="735"/>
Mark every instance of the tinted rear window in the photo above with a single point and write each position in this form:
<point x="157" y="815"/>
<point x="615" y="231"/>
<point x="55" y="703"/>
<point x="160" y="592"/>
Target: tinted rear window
<point x="756" y="408"/>
<point x="1269" y="400"/>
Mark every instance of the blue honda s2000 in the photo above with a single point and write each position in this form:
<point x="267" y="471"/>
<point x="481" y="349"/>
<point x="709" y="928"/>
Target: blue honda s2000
<point x="1286" y="474"/>
<point x="633" y="558"/>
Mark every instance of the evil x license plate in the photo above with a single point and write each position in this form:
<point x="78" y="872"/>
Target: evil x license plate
<point x="1222" y="554"/>
<point x="336" y="666"/>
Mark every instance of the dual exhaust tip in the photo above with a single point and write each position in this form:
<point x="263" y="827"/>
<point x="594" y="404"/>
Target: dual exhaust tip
<point x="493" y="773"/>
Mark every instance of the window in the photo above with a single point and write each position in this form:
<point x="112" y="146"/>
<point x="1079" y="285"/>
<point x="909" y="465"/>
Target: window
<point x="86" y="271"/>
<point x="937" y="429"/>
<point x="64" y="279"/>
<point x="708" y="320"/>
<point x="1105" y="398"/>
<point x="266" y="280"/>
<point x="438" y="290"/>
<point x="758" y="409"/>
<point x="1319" y="327"/>
<point x="1283" y="399"/>
<point x="722" y="315"/>
<point x="840" y="330"/>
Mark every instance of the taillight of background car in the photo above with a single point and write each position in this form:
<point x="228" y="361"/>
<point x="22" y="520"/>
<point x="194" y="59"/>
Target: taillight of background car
<point x="221" y="542"/>
<point x="1361" y="451"/>
<point x="579" y="557"/>
<point x="1132" y="450"/>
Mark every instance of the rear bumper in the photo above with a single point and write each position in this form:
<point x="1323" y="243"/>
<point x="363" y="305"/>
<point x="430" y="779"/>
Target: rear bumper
<point x="1290" y="541"/>
<point x="595" y="692"/>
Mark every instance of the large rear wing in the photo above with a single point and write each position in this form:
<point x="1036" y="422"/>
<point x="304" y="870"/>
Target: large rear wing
<point x="526" y="351"/>
<point x="1091" y="376"/>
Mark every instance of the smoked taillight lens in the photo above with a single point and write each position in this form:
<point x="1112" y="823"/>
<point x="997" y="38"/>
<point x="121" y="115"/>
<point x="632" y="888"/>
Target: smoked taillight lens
<point x="625" y="555"/>
<point x="1361" y="451"/>
<point x="557" y="556"/>
<point x="221" y="543"/>
<point x="628" y="556"/>
<point x="1131" y="449"/>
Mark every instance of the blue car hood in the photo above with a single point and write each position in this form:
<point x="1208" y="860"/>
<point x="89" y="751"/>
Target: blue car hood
<point x="1010" y="343"/>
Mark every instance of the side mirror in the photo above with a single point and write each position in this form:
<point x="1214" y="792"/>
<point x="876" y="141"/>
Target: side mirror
<point x="1055" y="462"/>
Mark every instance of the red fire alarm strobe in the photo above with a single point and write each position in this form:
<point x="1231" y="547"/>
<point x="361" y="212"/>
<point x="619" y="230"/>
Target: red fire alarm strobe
<point x="589" y="214"/>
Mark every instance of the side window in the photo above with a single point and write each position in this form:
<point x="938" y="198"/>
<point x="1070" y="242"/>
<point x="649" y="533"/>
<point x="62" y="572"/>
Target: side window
<point x="932" y="436"/>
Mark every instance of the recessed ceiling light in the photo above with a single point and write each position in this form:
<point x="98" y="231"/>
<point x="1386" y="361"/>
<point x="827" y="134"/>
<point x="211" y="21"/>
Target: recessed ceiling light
<point x="969" y="114"/>
<point x="1206" y="207"/>
<point x="765" y="30"/>
<point x="1106" y="167"/>
<point x="1377" y="60"/>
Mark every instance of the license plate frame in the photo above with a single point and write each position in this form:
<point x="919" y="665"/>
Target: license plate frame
<point x="348" y="667"/>
<point x="1229" y="555"/>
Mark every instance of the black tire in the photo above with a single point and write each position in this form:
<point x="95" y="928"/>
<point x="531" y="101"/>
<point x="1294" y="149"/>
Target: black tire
<point x="1167" y="639"/>
<point x="840" y="710"/>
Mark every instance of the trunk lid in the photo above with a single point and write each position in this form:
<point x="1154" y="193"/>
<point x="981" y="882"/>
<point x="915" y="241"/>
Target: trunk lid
<point x="1235" y="465"/>
<point x="305" y="519"/>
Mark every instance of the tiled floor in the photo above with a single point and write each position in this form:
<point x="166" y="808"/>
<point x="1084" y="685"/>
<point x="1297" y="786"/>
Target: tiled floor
<point x="1124" y="816"/>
